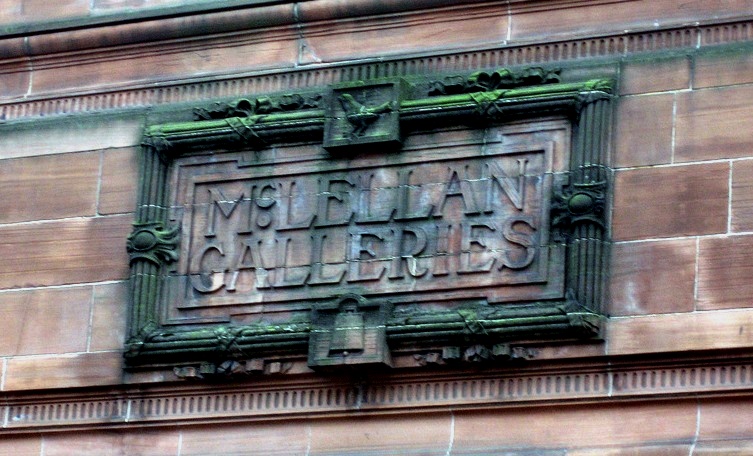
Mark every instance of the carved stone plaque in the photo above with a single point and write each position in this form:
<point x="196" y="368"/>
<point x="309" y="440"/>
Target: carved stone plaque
<point x="463" y="214"/>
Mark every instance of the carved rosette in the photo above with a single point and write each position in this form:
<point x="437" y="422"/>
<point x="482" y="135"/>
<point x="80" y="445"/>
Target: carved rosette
<point x="153" y="243"/>
<point x="579" y="203"/>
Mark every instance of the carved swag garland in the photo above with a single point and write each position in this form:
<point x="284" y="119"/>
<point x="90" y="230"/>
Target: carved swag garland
<point x="349" y="322"/>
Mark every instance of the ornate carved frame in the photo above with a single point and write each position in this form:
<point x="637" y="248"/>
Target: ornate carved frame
<point x="578" y="218"/>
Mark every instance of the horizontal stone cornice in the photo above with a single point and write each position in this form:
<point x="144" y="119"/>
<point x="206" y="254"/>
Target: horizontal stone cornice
<point x="656" y="378"/>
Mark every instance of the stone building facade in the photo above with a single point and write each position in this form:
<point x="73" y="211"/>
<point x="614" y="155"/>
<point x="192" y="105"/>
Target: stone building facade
<point x="88" y="89"/>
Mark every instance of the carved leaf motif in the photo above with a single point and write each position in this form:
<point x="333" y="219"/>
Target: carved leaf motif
<point x="504" y="78"/>
<point x="264" y="105"/>
<point x="151" y="242"/>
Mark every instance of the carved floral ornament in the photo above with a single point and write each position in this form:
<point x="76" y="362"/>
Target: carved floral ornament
<point x="447" y="219"/>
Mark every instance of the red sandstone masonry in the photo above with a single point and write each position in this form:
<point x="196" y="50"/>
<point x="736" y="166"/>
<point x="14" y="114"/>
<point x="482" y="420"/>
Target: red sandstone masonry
<point x="21" y="445"/>
<point x="595" y="18"/>
<point x="20" y="11"/>
<point x="724" y="447"/>
<point x="145" y="442"/>
<point x="544" y="427"/>
<point x="109" y="314"/>
<point x="652" y="277"/>
<point x="714" y="123"/>
<point x="680" y="332"/>
<point x="722" y="68"/>
<point x="653" y="450"/>
<point x="118" y="188"/>
<point x="725" y="266"/>
<point x="63" y="371"/>
<point x="723" y="419"/>
<point x="71" y="135"/>
<point x="742" y="196"/>
<point x="272" y="49"/>
<point x="644" y="136"/>
<point x="64" y="252"/>
<point x="425" y="433"/>
<point x="45" y="321"/>
<point x="397" y="34"/>
<point x="670" y="201"/>
<point x="655" y="75"/>
<point x="263" y="438"/>
<point x="50" y="187"/>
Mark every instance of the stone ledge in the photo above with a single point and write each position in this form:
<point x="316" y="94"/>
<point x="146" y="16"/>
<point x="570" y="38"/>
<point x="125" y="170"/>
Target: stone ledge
<point x="662" y="379"/>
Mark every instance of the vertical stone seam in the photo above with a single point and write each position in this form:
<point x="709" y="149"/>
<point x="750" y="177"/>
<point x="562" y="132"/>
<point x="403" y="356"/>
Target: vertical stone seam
<point x="509" y="23"/>
<point x="697" y="427"/>
<point x="6" y="412"/>
<point x="308" y="439"/>
<point x="303" y="48"/>
<point x="5" y="369"/>
<point x="729" y="198"/>
<point x="31" y="67"/>
<point x="91" y="320"/>
<point x="451" y="443"/>
<point x="99" y="183"/>
<point x="674" y="129"/>
<point x="610" y="376"/>
<point x="697" y="267"/>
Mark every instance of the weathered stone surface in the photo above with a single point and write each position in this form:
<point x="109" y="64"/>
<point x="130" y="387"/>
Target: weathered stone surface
<point x="428" y="434"/>
<point x="468" y="221"/>
<point x="144" y="442"/>
<point x="683" y="332"/>
<point x="64" y="252"/>
<point x="57" y="137"/>
<point x="541" y="427"/>
<point x="655" y="75"/>
<point x="644" y="140"/>
<point x="653" y="277"/>
<point x="109" y="313"/>
<point x="50" y="187"/>
<point x="63" y="371"/>
<point x="672" y="201"/>
<point x="46" y="321"/>
<point x="276" y="438"/>
<point x="724" y="270"/>
<point x="118" y="187"/>
<point x="741" y="203"/>
<point x="714" y="123"/>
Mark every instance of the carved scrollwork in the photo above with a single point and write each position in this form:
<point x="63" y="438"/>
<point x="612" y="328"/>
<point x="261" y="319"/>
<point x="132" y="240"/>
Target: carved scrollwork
<point x="501" y="79"/>
<point x="256" y="106"/>
<point x="153" y="243"/>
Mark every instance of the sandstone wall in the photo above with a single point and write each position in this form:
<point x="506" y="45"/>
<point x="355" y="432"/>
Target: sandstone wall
<point x="74" y="101"/>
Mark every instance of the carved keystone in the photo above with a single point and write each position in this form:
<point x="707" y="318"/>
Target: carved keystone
<point x="363" y="114"/>
<point x="349" y="331"/>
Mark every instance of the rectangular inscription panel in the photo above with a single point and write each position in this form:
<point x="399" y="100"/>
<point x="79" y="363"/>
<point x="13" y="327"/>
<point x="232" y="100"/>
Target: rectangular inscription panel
<point x="457" y="215"/>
